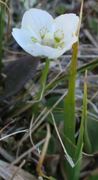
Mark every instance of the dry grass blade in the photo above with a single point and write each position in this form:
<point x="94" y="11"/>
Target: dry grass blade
<point x="6" y="155"/>
<point x="6" y="172"/>
<point x="81" y="13"/>
<point x="40" y="121"/>
<point x="43" y="153"/>
<point x="61" y="142"/>
<point x="12" y="134"/>
<point x="27" y="152"/>
<point x="16" y="172"/>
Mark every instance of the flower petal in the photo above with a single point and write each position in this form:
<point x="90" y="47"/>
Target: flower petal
<point x="37" y="20"/>
<point x="68" y="23"/>
<point x="46" y="51"/>
<point x="24" y="38"/>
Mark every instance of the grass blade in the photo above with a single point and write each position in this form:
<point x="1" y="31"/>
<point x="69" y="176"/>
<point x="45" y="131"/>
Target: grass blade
<point x="80" y="142"/>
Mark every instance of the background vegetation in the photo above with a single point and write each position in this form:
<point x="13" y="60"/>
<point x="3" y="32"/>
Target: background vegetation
<point x="49" y="113"/>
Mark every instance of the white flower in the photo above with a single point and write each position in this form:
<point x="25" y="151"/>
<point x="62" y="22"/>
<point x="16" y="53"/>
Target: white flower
<point x="41" y="35"/>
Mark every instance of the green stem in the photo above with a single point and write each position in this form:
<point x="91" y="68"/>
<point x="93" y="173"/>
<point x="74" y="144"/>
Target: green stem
<point x="69" y="112"/>
<point x="43" y="79"/>
<point x="69" y="104"/>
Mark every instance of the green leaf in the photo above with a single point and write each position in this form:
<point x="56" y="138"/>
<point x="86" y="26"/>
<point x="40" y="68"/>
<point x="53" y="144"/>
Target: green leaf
<point x="92" y="177"/>
<point x="93" y="24"/>
<point x="69" y="112"/>
<point x="80" y="142"/>
<point x="93" y="133"/>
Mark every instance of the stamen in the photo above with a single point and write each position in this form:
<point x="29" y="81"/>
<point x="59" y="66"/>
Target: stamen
<point x="34" y="39"/>
<point x="43" y="31"/>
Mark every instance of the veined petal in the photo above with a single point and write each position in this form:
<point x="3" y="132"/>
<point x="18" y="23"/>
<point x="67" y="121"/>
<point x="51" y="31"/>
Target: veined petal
<point x="37" y="20"/>
<point x="68" y="23"/>
<point x="24" y="38"/>
<point x="46" y="51"/>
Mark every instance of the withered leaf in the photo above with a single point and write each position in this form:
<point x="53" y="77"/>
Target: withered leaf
<point x="7" y="172"/>
<point x="17" y="74"/>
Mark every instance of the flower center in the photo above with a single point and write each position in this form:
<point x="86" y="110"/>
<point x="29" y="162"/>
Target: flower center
<point x="58" y="36"/>
<point x="59" y="39"/>
<point x="54" y="40"/>
<point x="43" y="32"/>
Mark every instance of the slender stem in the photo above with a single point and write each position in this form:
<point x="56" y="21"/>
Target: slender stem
<point x="69" y="109"/>
<point x="43" y="79"/>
